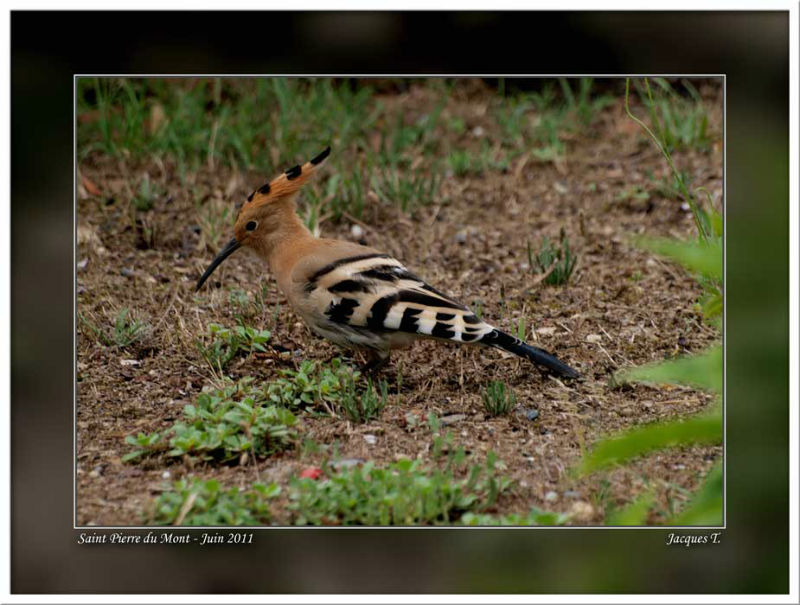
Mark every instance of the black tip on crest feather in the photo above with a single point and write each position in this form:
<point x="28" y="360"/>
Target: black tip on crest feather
<point x="293" y="172"/>
<point x="321" y="157"/>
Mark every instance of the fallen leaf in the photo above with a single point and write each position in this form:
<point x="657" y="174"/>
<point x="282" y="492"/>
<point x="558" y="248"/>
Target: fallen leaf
<point x="89" y="185"/>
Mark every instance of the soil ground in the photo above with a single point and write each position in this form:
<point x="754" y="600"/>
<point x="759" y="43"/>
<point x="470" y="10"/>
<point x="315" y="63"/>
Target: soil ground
<point x="623" y="307"/>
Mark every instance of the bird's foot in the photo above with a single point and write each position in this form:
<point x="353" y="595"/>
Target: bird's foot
<point x="373" y="367"/>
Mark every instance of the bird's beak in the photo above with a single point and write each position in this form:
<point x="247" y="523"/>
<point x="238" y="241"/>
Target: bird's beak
<point x="231" y="247"/>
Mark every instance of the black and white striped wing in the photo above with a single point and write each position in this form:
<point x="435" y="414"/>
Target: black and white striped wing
<point x="375" y="292"/>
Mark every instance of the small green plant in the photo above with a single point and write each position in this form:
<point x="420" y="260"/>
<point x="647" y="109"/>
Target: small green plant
<point x="221" y="344"/>
<point x="312" y="386"/>
<point x="199" y="502"/>
<point x="581" y="102"/>
<point x="512" y="115"/>
<point x="145" y="199"/>
<point x="214" y="218"/>
<point x="145" y="443"/>
<point x="461" y="162"/>
<point x="555" y="261"/>
<point x="332" y="388"/>
<point x="224" y="424"/>
<point x="498" y="399"/>
<point x="522" y="328"/>
<point x="403" y="493"/>
<point x="634" y="193"/>
<point x="486" y="159"/>
<point x="126" y="330"/>
<point x="362" y="405"/>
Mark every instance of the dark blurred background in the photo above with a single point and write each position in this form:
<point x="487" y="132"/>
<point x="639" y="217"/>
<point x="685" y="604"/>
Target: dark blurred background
<point x="751" y="48"/>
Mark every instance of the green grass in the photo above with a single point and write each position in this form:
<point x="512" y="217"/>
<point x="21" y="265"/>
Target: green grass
<point x="333" y="389"/>
<point x="406" y="191"/>
<point x="126" y="330"/>
<point x="215" y="218"/>
<point x="221" y="345"/>
<point x="581" y="102"/>
<point x="487" y="159"/>
<point x="344" y="193"/>
<point x="536" y="123"/>
<point x="267" y="125"/>
<point x="498" y="399"/>
<point x="555" y="260"/>
<point x="221" y="120"/>
<point x="679" y="117"/>
<point x="196" y="502"/>
<point x="707" y="220"/>
<point x="223" y="425"/>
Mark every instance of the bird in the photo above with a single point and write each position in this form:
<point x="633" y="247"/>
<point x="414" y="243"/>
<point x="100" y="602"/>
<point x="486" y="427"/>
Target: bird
<point x="356" y="296"/>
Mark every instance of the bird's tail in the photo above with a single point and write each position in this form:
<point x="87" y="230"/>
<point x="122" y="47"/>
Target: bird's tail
<point x="504" y="341"/>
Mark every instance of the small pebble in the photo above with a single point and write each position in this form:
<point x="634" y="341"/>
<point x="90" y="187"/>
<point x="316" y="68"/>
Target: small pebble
<point x="371" y="439"/>
<point x="82" y="264"/>
<point x="532" y="414"/>
<point x="461" y="237"/>
<point x="166" y="475"/>
<point x="560" y="188"/>
<point x="594" y="338"/>
<point x="551" y="496"/>
<point x="356" y="231"/>
<point x="125" y="272"/>
<point x="685" y="207"/>
<point x="581" y="511"/>
<point x="478" y="131"/>
<point x="572" y="494"/>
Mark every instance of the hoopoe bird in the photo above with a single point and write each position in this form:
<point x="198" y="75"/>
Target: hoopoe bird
<point x="353" y="295"/>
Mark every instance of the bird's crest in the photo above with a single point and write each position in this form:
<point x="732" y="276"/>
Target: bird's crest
<point x="287" y="184"/>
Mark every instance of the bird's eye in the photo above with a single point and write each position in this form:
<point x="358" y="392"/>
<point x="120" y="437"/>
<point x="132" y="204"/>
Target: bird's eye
<point x="251" y="226"/>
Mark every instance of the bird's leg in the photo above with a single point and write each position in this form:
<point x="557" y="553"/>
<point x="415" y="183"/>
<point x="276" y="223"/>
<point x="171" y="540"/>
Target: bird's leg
<point x="375" y="363"/>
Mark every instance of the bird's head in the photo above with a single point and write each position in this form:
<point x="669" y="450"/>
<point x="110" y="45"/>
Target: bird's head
<point x="265" y="211"/>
